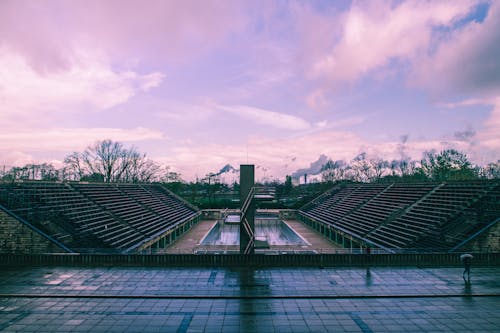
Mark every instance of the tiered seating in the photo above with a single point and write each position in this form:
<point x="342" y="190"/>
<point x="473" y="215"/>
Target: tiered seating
<point x="96" y="215"/>
<point x="357" y="200"/>
<point x="336" y="206"/>
<point x="428" y="215"/>
<point x="170" y="208"/>
<point x="387" y="204"/>
<point x="330" y="199"/>
<point x="483" y="208"/>
<point x="144" y="221"/>
<point x="81" y="218"/>
<point x="406" y="215"/>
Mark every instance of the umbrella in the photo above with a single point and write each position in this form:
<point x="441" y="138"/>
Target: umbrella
<point x="466" y="256"/>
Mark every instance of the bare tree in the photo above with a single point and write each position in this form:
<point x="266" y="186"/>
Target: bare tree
<point x="75" y="167"/>
<point x="103" y="158"/>
<point x="112" y="162"/>
<point x="378" y="167"/>
<point x="141" y="170"/>
<point x="42" y="171"/>
<point x="334" y="170"/>
<point x="361" y="168"/>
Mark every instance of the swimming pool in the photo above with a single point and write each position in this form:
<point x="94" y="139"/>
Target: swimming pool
<point x="274" y="230"/>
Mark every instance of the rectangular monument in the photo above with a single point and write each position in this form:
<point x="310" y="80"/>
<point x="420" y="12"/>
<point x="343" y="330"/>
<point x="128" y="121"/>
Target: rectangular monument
<point x="247" y="225"/>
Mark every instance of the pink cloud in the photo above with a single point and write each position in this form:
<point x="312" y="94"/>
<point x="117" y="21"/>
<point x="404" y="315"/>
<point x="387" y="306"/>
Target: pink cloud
<point x="280" y="157"/>
<point x="489" y="135"/>
<point x="129" y="31"/>
<point x="89" y="83"/>
<point x="266" y="117"/>
<point x="69" y="139"/>
<point x="466" y="63"/>
<point x="375" y="32"/>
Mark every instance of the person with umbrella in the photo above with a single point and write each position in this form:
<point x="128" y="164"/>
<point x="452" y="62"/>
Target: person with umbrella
<point x="466" y="259"/>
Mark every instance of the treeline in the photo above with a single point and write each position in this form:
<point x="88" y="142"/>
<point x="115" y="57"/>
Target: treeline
<point x="104" y="161"/>
<point x="109" y="161"/>
<point x="447" y="165"/>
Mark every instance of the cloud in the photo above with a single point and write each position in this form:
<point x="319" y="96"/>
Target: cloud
<point x="467" y="102"/>
<point x="466" y="62"/>
<point x="274" y="155"/>
<point x="129" y="31"/>
<point x="180" y="113"/>
<point x="88" y="83"/>
<point x="69" y="139"/>
<point x="317" y="100"/>
<point x="377" y="32"/>
<point x="14" y="158"/>
<point x="489" y="136"/>
<point x="466" y="135"/>
<point x="266" y="117"/>
<point x="313" y="169"/>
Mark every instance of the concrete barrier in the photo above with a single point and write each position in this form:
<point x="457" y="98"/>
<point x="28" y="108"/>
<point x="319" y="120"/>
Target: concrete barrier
<point x="256" y="260"/>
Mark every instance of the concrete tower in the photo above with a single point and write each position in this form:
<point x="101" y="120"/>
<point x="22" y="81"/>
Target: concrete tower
<point x="247" y="224"/>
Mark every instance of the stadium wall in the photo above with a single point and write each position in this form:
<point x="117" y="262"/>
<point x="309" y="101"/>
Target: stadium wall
<point x="17" y="237"/>
<point x="488" y="241"/>
<point x="255" y="260"/>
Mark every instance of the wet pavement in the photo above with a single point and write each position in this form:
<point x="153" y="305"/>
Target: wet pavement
<point x="135" y="299"/>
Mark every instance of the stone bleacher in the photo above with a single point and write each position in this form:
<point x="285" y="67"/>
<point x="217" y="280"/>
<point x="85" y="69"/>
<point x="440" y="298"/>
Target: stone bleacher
<point x="409" y="215"/>
<point x="97" y="216"/>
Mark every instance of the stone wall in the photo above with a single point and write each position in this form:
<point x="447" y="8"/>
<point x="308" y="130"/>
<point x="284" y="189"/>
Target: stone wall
<point x="16" y="237"/>
<point x="489" y="241"/>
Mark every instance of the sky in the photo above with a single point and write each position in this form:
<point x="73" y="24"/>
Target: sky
<point x="199" y="84"/>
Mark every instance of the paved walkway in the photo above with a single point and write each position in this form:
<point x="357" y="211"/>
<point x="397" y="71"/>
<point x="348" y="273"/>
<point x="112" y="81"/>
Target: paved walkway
<point x="117" y="299"/>
<point x="190" y="241"/>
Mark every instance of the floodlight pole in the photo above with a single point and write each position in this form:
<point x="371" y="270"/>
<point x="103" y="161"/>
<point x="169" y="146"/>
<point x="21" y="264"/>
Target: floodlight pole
<point x="247" y="208"/>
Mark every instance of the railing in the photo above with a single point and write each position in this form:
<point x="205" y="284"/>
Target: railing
<point x="255" y="260"/>
<point x="232" y="249"/>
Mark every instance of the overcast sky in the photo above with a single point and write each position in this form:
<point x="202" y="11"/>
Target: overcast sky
<point x="198" y="84"/>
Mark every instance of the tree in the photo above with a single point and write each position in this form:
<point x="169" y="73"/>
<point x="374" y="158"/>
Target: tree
<point x="43" y="171"/>
<point x="141" y="169"/>
<point x="107" y="158"/>
<point x="492" y="170"/>
<point x="75" y="166"/>
<point x="403" y="167"/>
<point x="334" y="170"/>
<point x="449" y="164"/>
<point x="378" y="167"/>
<point x="110" y="161"/>
<point x="288" y="185"/>
<point x="171" y="176"/>
<point x="361" y="168"/>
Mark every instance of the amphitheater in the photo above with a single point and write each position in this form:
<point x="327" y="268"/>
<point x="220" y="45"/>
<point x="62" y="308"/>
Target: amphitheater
<point x="359" y="258"/>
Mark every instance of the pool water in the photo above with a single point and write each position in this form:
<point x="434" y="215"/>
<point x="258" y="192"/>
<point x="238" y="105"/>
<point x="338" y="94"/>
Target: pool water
<point x="275" y="231"/>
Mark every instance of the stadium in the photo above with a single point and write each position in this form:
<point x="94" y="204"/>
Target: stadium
<point x="78" y="217"/>
<point x="258" y="166"/>
<point x="76" y="244"/>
